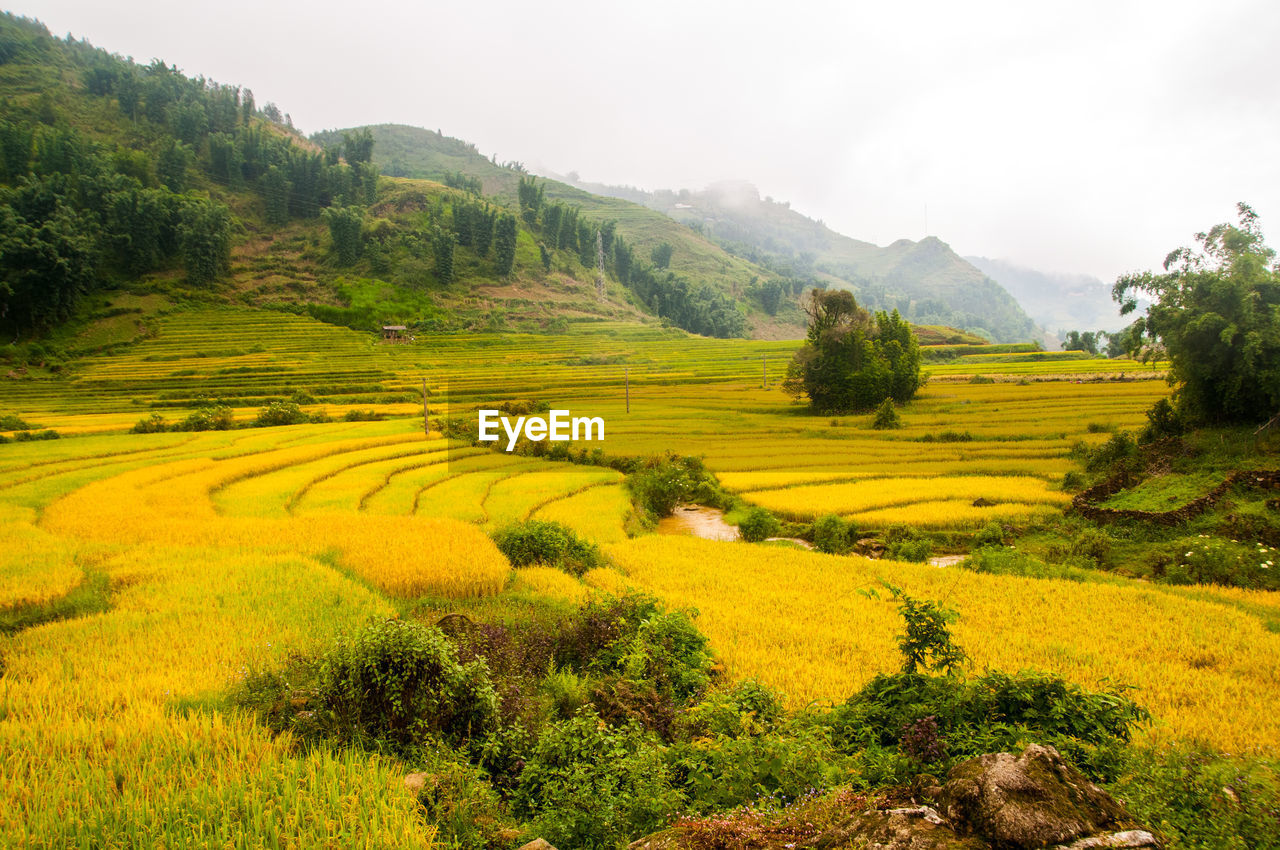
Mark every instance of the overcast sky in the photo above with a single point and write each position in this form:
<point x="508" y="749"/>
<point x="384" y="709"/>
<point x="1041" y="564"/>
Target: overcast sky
<point x="1080" y="136"/>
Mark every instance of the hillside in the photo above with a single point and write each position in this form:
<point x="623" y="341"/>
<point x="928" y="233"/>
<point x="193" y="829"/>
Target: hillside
<point x="926" y="281"/>
<point x="414" y="152"/>
<point x="177" y="190"/>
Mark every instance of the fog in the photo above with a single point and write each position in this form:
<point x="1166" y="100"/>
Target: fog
<point x="1083" y="137"/>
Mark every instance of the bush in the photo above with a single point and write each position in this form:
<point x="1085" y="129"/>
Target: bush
<point x="208" y="419"/>
<point x="540" y="542"/>
<point x="991" y="713"/>
<point x="834" y="535"/>
<point x="1092" y="544"/>
<point x="666" y="482"/>
<point x="362" y="416"/>
<point x="1203" y="799"/>
<point x="991" y="534"/>
<point x="784" y="764"/>
<point x="589" y="785"/>
<point x="280" y="413"/>
<point x="1163" y="420"/>
<point x="153" y="424"/>
<point x="392" y="685"/>
<point x="1213" y="560"/>
<point x="997" y="560"/>
<point x="904" y="543"/>
<point x="886" y="416"/>
<point x="758" y="524"/>
<point x="745" y="708"/>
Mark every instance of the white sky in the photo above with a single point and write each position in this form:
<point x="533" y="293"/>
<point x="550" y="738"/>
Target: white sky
<point x="1068" y="136"/>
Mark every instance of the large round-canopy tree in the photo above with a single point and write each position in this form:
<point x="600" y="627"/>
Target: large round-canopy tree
<point x="1216" y="315"/>
<point x="852" y="361"/>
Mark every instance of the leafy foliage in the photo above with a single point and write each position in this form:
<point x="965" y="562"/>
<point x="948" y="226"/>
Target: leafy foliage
<point x="541" y="542"/>
<point x="852" y="361"/>
<point x="758" y="524"/>
<point x="1217" y="317"/>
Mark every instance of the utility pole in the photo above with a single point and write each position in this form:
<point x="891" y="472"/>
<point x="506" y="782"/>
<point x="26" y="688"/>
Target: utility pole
<point x="627" y="378"/>
<point x="426" y="424"/>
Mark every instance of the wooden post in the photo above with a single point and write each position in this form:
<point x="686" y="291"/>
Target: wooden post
<point x="426" y="423"/>
<point x="627" y="377"/>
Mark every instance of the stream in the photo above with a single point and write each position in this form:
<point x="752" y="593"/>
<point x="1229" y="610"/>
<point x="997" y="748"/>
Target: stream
<point x="708" y="523"/>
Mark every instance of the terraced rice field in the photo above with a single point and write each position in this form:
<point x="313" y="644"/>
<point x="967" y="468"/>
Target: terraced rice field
<point x="227" y="550"/>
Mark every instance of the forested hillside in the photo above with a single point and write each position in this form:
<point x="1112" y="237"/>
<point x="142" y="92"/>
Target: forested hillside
<point x="119" y="179"/>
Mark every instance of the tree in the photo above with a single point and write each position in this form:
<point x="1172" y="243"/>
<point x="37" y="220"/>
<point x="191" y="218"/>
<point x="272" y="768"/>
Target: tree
<point x="852" y="361"/>
<point x="1216" y="312"/>
<point x="442" y="244"/>
<point x="358" y="148"/>
<point x="345" y="225"/>
<point x="204" y="234"/>
<point x="661" y="255"/>
<point x="504" y="244"/>
<point x="1077" y="341"/>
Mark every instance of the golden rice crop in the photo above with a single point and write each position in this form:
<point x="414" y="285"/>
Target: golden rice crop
<point x="517" y="497"/>
<point x="609" y="581"/>
<point x="551" y="582"/>
<point x="950" y="513"/>
<point x="857" y="497"/>
<point x="598" y="514"/>
<point x="799" y="621"/>
<point x="96" y="747"/>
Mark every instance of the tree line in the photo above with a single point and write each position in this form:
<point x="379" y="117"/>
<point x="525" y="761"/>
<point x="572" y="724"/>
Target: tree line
<point x="693" y="306"/>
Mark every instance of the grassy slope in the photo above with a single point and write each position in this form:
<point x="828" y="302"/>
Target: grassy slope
<point x="426" y="154"/>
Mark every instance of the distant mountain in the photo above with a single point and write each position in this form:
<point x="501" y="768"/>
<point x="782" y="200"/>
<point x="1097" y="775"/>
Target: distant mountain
<point x="1058" y="302"/>
<point x="926" y="281"/>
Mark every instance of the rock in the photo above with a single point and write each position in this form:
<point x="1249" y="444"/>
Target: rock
<point x="917" y="828"/>
<point x="415" y="782"/>
<point x="1133" y="839"/>
<point x="538" y="844"/>
<point x="1032" y="800"/>
<point x="869" y="547"/>
<point x="981" y="502"/>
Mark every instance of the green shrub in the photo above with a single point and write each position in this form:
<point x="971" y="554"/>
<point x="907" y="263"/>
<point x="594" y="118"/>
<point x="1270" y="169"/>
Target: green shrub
<point x="1163" y="420"/>
<point x="10" y="422"/>
<point x="458" y="801"/>
<point x="744" y="708"/>
<point x="886" y="416"/>
<point x="723" y="772"/>
<point x="590" y="785"/>
<point x="758" y="524"/>
<point x="1202" y="799"/>
<point x="991" y="713"/>
<point x="1092" y="544"/>
<point x="904" y="543"/>
<point x="1073" y="481"/>
<point x="393" y="685"/>
<point x="991" y="534"/>
<point x="216" y="418"/>
<point x="997" y="560"/>
<point x="550" y="543"/>
<point x="280" y="413"/>
<point x="662" y="484"/>
<point x="153" y="424"/>
<point x="834" y="535"/>
<point x="1213" y="560"/>
<point x="362" y="416"/>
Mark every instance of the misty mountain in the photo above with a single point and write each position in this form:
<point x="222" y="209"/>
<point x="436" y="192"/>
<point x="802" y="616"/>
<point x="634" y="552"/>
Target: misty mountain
<point x="926" y="281"/>
<point x="731" y="237"/>
<point x="1057" y="302"/>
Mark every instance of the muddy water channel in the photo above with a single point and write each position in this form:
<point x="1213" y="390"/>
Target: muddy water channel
<point x="698" y="521"/>
<point x="708" y="523"/>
